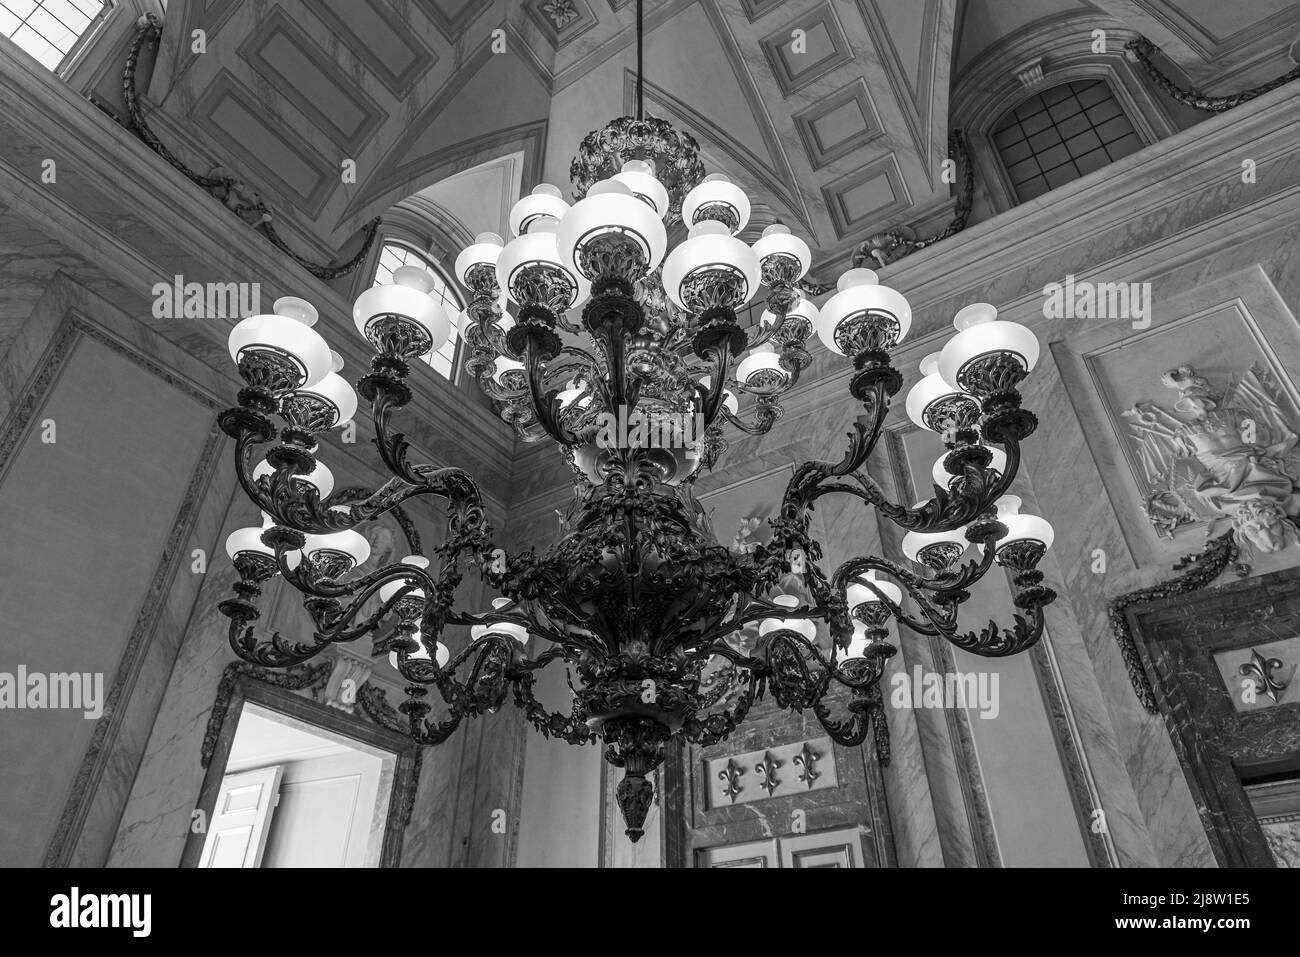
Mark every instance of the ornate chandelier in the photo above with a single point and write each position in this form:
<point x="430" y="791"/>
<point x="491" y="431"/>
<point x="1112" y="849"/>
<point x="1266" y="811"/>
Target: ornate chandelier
<point x="632" y="359"/>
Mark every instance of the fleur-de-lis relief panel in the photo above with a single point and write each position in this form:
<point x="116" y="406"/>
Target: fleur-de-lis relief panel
<point x="778" y="770"/>
<point x="1261" y="669"/>
<point x="769" y="782"/>
<point x="731" y="775"/>
<point x="807" y="760"/>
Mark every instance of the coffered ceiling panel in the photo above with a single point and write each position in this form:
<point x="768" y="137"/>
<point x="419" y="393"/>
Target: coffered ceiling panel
<point x="832" y="113"/>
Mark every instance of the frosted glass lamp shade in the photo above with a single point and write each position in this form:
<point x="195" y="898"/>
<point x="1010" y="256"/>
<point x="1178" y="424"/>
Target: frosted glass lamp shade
<point x="717" y="195"/>
<point x="915" y="542"/>
<point x="639" y="177"/>
<point x="761" y="368"/>
<point x="1021" y="527"/>
<point x="728" y="397"/>
<point x="859" y="594"/>
<point x="544" y="202"/>
<point x="981" y="334"/>
<point x="928" y="392"/>
<point x="287" y="339"/>
<point x="389" y="589"/>
<point x="320" y="478"/>
<point x="347" y="543"/>
<point x="484" y="251"/>
<point x="441" y="653"/>
<point x="942" y="477"/>
<point x="407" y="298"/>
<point x="710" y="253"/>
<point x="518" y="632"/>
<point x="803" y="309"/>
<point x="337" y="395"/>
<point x="611" y="211"/>
<point x="537" y="251"/>
<point x="503" y="365"/>
<point x="861" y="297"/>
<point x="803" y="626"/>
<point x="247" y="540"/>
<point x="778" y="242"/>
<point x="858" y="643"/>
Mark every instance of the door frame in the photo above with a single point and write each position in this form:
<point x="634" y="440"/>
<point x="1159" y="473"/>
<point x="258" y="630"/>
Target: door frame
<point x="250" y="688"/>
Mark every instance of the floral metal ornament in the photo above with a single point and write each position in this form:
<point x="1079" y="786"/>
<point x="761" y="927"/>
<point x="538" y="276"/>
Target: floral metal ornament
<point x="769" y="782"/>
<point x="731" y="775"/>
<point x="1260" y="670"/>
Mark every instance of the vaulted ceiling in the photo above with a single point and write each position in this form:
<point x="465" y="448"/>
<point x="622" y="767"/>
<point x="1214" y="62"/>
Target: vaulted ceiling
<point x="832" y="113"/>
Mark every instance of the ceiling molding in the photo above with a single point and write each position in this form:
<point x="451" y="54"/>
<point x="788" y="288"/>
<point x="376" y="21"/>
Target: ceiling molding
<point x="399" y="82"/>
<point x="283" y="83"/>
<point x="915" y="101"/>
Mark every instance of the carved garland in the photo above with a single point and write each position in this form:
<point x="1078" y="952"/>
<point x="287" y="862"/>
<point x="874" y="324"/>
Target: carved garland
<point x="893" y="245"/>
<point x="1206" y="566"/>
<point x="225" y="188"/>
<point x="1141" y="48"/>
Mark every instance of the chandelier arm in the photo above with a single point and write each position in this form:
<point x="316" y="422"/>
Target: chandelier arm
<point x="571" y="727"/>
<point x="995" y="642"/>
<point x="271" y="652"/>
<point x="544" y="404"/>
<point x="713" y="728"/>
<point x="767" y="411"/>
<point x="721" y="364"/>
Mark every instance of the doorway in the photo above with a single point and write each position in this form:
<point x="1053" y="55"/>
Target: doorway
<point x="295" y="783"/>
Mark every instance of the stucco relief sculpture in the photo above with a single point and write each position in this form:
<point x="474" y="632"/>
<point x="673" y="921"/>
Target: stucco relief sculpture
<point x="1220" y="456"/>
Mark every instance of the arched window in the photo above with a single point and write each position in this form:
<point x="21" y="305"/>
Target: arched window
<point x="1062" y="134"/>
<point x="50" y="29"/>
<point x="396" y="254"/>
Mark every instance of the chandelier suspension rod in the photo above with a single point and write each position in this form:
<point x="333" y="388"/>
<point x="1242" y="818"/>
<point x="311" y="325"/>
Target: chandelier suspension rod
<point x="640" y="59"/>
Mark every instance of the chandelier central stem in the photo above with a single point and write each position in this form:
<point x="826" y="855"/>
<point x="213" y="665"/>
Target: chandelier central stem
<point x="640" y="59"/>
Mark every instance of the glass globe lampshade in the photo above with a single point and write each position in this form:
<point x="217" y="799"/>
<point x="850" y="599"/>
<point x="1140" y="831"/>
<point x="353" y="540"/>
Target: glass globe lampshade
<point x="778" y="243"/>
<point x="639" y="177"/>
<point x="333" y="399"/>
<point x="942" y="476"/>
<point x="285" y="339"/>
<point x="404" y="303"/>
<point x="421" y="653"/>
<point x="803" y="309"/>
<point x="803" y="626"/>
<point x="544" y="202"/>
<point x="533" y="252"/>
<point x="728" y="397"/>
<point x="858" y="643"/>
<point x="859" y="594"/>
<point x="484" y="252"/>
<point x="929" y="392"/>
<point x="861" y="299"/>
<point x="389" y="589"/>
<point x="1020" y="527"/>
<point x="248" y="539"/>
<point x="518" y="632"/>
<point x="717" y="195"/>
<point x="346" y="544"/>
<point x="980" y="335"/>
<point x="915" y="542"/>
<point x="710" y="256"/>
<point x="610" y="211"/>
<point x="762" y="368"/>
<point x="319" y="478"/>
<point x="502" y="366"/>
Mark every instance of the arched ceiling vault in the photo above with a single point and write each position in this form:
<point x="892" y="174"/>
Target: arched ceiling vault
<point x="832" y="113"/>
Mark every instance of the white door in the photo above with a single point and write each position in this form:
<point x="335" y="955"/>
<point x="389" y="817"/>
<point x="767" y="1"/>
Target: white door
<point x="326" y="812"/>
<point x="241" y="818"/>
